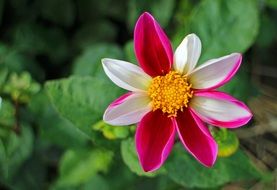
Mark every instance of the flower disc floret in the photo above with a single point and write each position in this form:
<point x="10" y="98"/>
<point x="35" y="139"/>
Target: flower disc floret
<point x="170" y="93"/>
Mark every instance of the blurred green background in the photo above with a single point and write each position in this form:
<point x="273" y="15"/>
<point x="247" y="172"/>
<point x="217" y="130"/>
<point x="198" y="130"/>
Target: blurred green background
<point x="54" y="92"/>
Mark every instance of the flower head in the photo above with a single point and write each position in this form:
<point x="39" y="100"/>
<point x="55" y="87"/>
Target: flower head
<point x="169" y="94"/>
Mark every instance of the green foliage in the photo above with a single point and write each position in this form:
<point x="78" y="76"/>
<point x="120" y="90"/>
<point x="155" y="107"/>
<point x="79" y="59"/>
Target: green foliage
<point x="21" y="87"/>
<point x="235" y="168"/>
<point x="129" y="52"/>
<point x="15" y="150"/>
<point x="51" y="10"/>
<point x="111" y="132"/>
<point x="54" y="129"/>
<point x="227" y="141"/>
<point x="89" y="62"/>
<point x="136" y="7"/>
<point x="129" y="155"/>
<point x="84" y="99"/>
<point x="271" y="3"/>
<point x="7" y="119"/>
<point x="103" y="31"/>
<point x="223" y="26"/>
<point x="53" y="90"/>
<point x="78" y="167"/>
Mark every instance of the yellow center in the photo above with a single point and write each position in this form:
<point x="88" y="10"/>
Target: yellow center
<point x="170" y="93"/>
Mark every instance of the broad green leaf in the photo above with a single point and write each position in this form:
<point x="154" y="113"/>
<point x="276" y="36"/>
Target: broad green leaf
<point x="89" y="62"/>
<point x="130" y="157"/>
<point x="83" y="101"/>
<point x="240" y="86"/>
<point x="162" y="11"/>
<point x="185" y="170"/>
<point x="54" y="129"/>
<point x="223" y="26"/>
<point x="79" y="166"/>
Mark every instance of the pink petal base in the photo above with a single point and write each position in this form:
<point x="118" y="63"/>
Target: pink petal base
<point x="196" y="138"/>
<point x="154" y="139"/>
<point x="120" y="100"/>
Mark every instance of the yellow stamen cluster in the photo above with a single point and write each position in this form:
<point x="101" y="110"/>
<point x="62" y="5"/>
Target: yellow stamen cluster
<point x="170" y="93"/>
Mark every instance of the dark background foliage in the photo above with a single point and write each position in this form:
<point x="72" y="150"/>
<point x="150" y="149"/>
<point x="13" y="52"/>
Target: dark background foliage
<point x="54" y="92"/>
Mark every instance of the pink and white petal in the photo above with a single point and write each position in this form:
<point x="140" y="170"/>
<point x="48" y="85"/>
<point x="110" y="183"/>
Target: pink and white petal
<point x="196" y="138"/>
<point x="216" y="72"/>
<point x="187" y="54"/>
<point x="152" y="47"/>
<point x="220" y="109"/>
<point x="126" y="75"/>
<point x="154" y="140"/>
<point x="127" y="109"/>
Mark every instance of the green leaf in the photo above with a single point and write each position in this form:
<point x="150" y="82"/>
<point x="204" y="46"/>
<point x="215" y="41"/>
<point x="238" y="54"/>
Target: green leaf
<point x="240" y="86"/>
<point x="223" y="26"/>
<point x="7" y="112"/>
<point x="129" y="52"/>
<point x="17" y="149"/>
<point x="79" y="166"/>
<point x="53" y="129"/>
<point x="130" y="158"/>
<point x="83" y="101"/>
<point x="185" y="170"/>
<point x="96" y="183"/>
<point x="271" y="3"/>
<point x="89" y="62"/>
<point x="31" y="175"/>
<point x="162" y="11"/>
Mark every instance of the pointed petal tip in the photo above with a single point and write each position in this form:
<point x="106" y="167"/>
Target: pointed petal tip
<point x="146" y="14"/>
<point x="152" y="149"/>
<point x="220" y="109"/>
<point x="193" y="34"/>
<point x="103" y="60"/>
<point x="189" y="128"/>
<point x="187" y="54"/>
<point x="149" y="41"/>
<point x="216" y="72"/>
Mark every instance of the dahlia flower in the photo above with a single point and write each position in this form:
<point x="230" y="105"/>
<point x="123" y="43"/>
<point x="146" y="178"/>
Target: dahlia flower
<point x="169" y="95"/>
